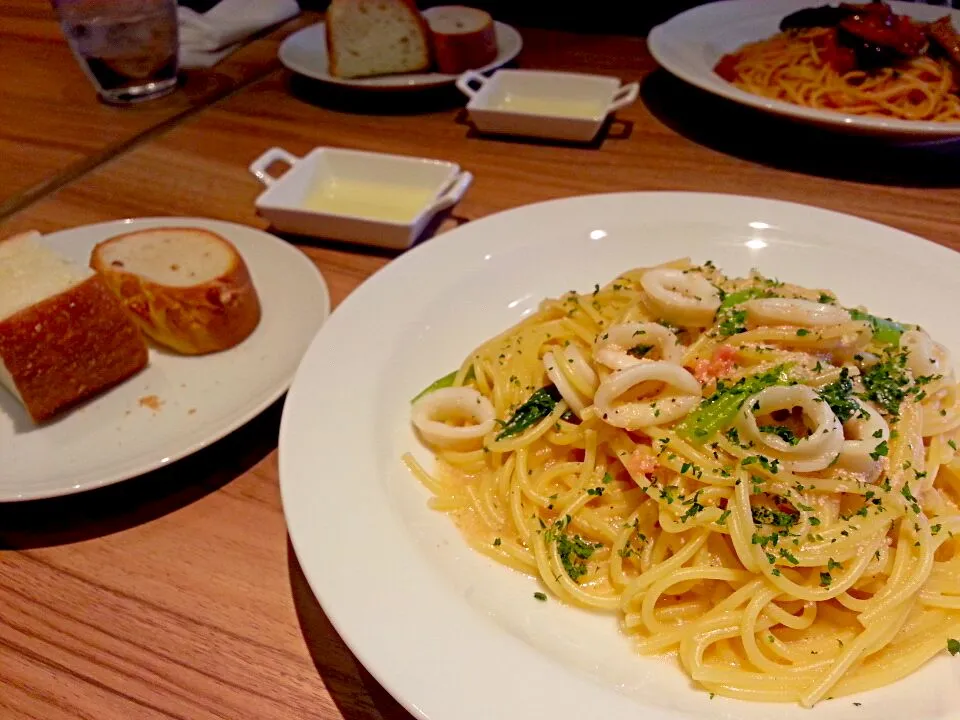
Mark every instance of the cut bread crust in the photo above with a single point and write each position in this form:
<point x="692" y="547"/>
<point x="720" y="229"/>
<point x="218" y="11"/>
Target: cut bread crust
<point x="69" y="347"/>
<point x="217" y="312"/>
<point x="366" y="38"/>
<point x="464" y="38"/>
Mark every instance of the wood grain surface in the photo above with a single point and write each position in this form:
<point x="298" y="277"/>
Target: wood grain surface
<point x="51" y="124"/>
<point x="176" y="595"/>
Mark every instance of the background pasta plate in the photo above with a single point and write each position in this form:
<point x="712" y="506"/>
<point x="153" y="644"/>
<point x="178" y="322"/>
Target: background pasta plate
<point x="448" y="632"/>
<point x="690" y="44"/>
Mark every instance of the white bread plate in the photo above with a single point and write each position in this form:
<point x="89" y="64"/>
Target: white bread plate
<point x="178" y="404"/>
<point x="441" y="185"/>
<point x="305" y="53"/>
<point x="571" y="107"/>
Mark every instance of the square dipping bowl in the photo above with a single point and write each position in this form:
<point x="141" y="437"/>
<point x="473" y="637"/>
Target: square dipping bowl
<point x="534" y="103"/>
<point x="355" y="196"/>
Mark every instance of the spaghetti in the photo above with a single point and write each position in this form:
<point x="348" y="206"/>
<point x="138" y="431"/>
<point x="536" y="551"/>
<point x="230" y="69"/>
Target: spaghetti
<point x="836" y="68"/>
<point x="754" y="478"/>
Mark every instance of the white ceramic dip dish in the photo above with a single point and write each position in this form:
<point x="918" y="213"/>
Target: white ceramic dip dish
<point x="356" y="196"/>
<point x="536" y="103"/>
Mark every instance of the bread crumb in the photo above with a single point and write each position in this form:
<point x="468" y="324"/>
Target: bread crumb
<point x="151" y="401"/>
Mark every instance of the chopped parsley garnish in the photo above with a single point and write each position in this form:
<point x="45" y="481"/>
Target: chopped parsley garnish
<point x="540" y="404"/>
<point x="953" y="646"/>
<point x="782" y="432"/>
<point x="914" y="505"/>
<point x="542" y="597"/>
<point x="825" y="579"/>
<point x="833" y="565"/>
<point x="598" y="491"/>
<point x="640" y="351"/>
<point x="695" y="507"/>
<point x="788" y="556"/>
<point x="733" y="323"/>
<point x="802" y="332"/>
<point x="771" y="467"/>
<point x="607" y="478"/>
<point x="887" y="383"/>
<point x="722" y="520"/>
<point x="729" y="319"/>
<point x="839" y="396"/>
<point x="497" y="542"/>
<point x="766" y="516"/>
<point x="574" y="552"/>
<point x="952" y="444"/>
<point x="880" y="450"/>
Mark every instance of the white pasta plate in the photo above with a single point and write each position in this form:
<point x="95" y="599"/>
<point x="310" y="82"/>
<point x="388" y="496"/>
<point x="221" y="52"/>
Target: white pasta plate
<point x="178" y="404"/>
<point x="448" y="632"/>
<point x="305" y="52"/>
<point x="690" y="44"/>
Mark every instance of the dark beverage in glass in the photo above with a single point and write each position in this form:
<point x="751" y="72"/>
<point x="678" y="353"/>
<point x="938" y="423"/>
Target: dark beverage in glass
<point x="128" y="48"/>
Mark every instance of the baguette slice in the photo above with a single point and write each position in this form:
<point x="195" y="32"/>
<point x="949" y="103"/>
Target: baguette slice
<point x="376" y="37"/>
<point x="63" y="335"/>
<point x="463" y="38"/>
<point x="188" y="289"/>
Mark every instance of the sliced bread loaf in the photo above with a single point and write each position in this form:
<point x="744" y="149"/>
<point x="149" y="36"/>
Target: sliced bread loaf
<point x="188" y="289"/>
<point x="376" y="37"/>
<point x="63" y="335"/>
<point x="464" y="38"/>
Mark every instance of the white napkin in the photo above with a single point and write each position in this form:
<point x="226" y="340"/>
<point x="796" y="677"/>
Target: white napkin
<point x="208" y="38"/>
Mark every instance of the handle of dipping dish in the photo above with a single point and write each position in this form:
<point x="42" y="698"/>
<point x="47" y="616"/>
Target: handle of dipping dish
<point x="453" y="194"/>
<point x="624" y="96"/>
<point x="466" y="82"/>
<point x="259" y="166"/>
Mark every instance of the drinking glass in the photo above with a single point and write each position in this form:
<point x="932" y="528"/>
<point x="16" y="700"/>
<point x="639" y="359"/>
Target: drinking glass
<point x="128" y="48"/>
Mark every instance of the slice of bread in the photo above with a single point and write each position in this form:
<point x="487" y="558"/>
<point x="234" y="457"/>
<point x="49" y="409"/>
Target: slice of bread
<point x="376" y="37"/>
<point x="63" y="335"/>
<point x="463" y="38"/>
<point x="188" y="289"/>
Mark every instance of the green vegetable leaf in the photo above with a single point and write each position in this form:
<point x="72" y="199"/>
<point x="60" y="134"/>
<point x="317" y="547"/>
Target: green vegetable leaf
<point x="741" y="296"/>
<point x="732" y="321"/>
<point x="718" y="410"/>
<point x="445" y="381"/>
<point x="885" y="331"/>
<point x="540" y="404"/>
<point x="953" y="646"/>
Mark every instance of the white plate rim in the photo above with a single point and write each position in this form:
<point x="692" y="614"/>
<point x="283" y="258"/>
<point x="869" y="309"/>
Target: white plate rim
<point x="664" y="40"/>
<point x="133" y="468"/>
<point x="394" y="83"/>
<point x="524" y="683"/>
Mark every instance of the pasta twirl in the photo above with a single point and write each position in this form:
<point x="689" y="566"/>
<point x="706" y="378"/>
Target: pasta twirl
<point x="750" y="475"/>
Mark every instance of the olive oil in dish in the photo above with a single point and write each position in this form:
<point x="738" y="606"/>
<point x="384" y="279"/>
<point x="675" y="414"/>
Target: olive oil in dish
<point x="388" y="202"/>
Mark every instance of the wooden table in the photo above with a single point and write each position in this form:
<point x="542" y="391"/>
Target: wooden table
<point x="51" y="127"/>
<point x="176" y="595"/>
